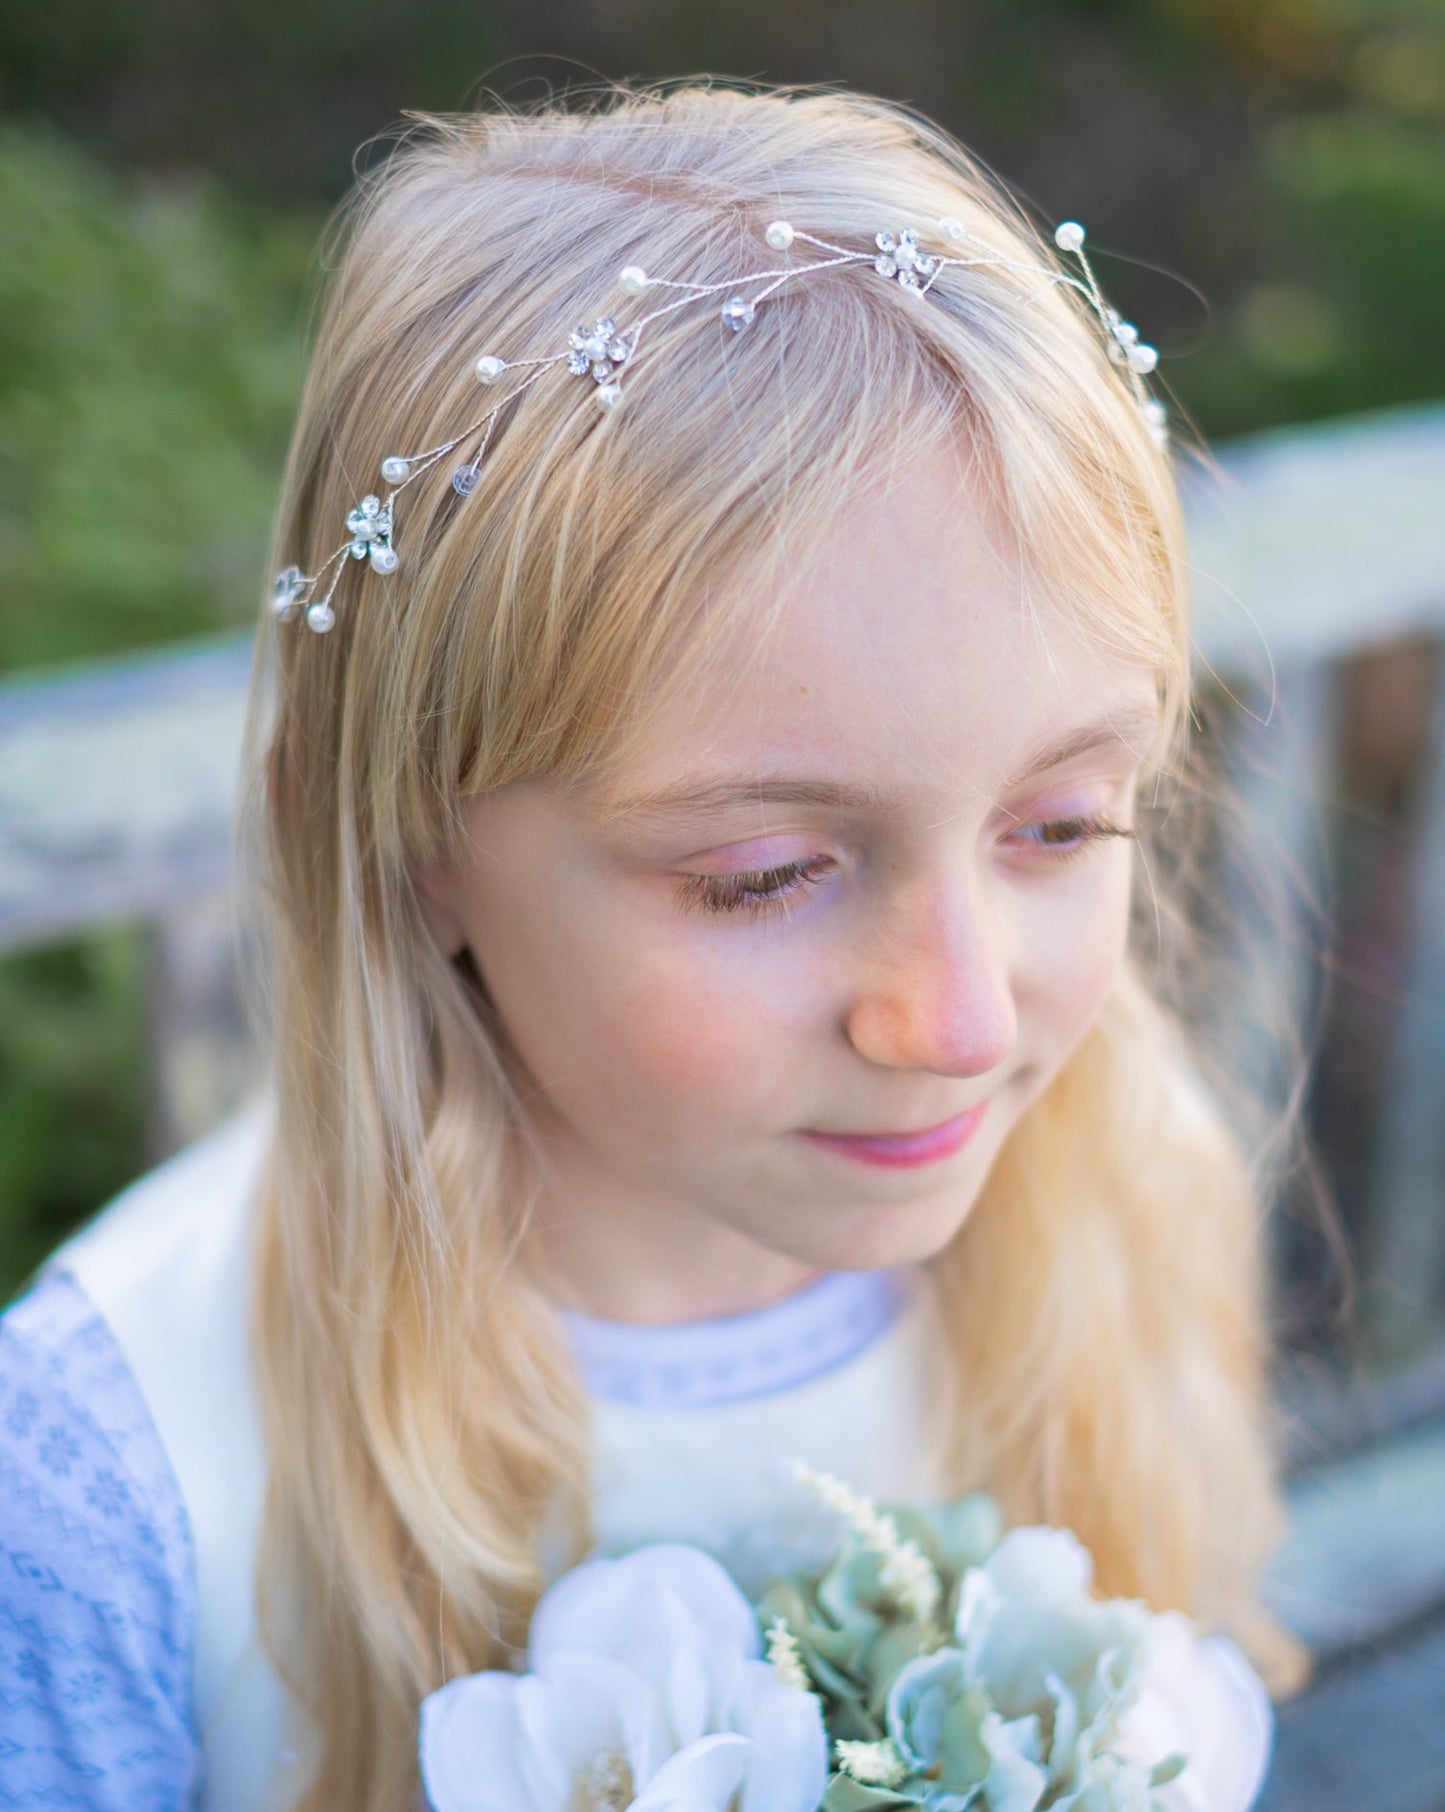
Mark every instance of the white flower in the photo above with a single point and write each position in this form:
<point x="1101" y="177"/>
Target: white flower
<point x="1122" y="1689"/>
<point x="1203" y="1700"/>
<point x="646" y="1691"/>
<point x="1029" y="1630"/>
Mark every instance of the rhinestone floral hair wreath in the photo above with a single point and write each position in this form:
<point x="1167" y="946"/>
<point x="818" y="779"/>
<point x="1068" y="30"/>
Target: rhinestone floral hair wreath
<point x="600" y="353"/>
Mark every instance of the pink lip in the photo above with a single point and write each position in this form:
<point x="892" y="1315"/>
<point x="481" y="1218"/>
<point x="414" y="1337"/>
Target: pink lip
<point x="901" y="1151"/>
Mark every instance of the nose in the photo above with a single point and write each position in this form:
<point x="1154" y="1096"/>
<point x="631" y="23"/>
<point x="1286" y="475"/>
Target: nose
<point x="936" y="989"/>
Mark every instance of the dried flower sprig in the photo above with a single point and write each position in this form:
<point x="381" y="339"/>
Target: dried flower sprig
<point x="907" y="1574"/>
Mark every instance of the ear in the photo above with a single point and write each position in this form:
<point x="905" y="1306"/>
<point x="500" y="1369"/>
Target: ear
<point x="433" y="885"/>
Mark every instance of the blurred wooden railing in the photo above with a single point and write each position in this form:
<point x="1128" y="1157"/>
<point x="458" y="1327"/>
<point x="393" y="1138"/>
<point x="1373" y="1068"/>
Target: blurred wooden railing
<point x="1311" y="548"/>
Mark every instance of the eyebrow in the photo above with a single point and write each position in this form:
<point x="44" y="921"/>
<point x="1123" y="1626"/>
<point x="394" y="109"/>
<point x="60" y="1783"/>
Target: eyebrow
<point x="701" y="797"/>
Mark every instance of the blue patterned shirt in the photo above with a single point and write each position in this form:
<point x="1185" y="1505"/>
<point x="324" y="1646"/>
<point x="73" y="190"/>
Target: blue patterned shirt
<point x="95" y="1574"/>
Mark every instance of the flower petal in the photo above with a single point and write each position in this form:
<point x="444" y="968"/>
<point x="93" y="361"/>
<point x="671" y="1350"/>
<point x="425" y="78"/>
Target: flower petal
<point x="701" y="1778"/>
<point x="1026" y="1611"/>
<point x="589" y="1706"/>
<point x="1039" y="1566"/>
<point x="1015" y="1782"/>
<point x="1200" y="1698"/>
<point x="596" y="1605"/>
<point x="494" y="1742"/>
<point x="790" y="1768"/>
<point x="470" y="1744"/>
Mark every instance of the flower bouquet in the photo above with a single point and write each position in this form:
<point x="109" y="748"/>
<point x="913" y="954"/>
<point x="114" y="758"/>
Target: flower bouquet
<point x="933" y="1662"/>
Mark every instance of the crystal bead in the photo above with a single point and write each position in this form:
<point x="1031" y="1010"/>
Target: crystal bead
<point x="395" y="469"/>
<point x="1069" y="236"/>
<point x="320" y="617"/>
<point x="287" y="587"/>
<point x="578" y="362"/>
<point x="885" y="242"/>
<point x="885" y="266"/>
<point x="617" y="351"/>
<point x="464" y="480"/>
<point x="368" y="520"/>
<point x="608" y="395"/>
<point x="633" y="279"/>
<point x="779" y="235"/>
<point x="738" y="313"/>
<point x="489" y="368"/>
<point x="952" y="228"/>
<point x="384" y="559"/>
<point x="607" y="327"/>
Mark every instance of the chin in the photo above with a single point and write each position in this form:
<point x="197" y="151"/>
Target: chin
<point x="899" y="1233"/>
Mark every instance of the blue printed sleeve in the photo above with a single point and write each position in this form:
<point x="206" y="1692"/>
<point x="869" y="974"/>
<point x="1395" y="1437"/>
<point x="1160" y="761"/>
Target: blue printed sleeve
<point x="96" y="1599"/>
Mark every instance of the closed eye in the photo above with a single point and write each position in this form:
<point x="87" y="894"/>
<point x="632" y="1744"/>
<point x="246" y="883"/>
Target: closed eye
<point x="752" y="891"/>
<point x="1068" y="837"/>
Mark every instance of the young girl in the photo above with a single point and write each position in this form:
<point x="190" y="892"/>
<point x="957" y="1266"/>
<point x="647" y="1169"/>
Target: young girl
<point x="702" y="788"/>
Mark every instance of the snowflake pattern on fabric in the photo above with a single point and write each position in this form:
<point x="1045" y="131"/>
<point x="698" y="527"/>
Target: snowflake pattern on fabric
<point x="96" y="1599"/>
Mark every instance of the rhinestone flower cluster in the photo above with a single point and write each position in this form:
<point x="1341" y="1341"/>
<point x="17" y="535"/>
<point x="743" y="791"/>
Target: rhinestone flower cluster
<point x="602" y="351"/>
<point x="899" y="256"/>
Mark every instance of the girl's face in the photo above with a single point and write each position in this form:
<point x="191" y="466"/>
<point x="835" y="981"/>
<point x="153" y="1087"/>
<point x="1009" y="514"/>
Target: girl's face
<point x="865" y="885"/>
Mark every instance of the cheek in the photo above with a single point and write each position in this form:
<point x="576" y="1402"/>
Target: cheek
<point x="1081" y="956"/>
<point x="669" y="1040"/>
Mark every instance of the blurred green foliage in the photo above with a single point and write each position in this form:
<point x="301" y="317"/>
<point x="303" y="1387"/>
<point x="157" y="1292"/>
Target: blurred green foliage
<point x="72" y="1095"/>
<point x="165" y="167"/>
<point x="149" y="358"/>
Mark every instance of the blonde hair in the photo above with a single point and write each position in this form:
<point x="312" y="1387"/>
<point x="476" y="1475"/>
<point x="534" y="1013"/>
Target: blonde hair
<point x="426" y="1431"/>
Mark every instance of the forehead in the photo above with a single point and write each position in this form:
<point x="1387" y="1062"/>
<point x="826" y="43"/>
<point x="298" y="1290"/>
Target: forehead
<point x="903" y="652"/>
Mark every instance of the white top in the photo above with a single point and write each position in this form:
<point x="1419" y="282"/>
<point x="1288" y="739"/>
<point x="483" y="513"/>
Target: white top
<point x="167" y="1265"/>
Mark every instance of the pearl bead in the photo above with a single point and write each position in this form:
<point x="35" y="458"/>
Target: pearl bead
<point x="1069" y="236"/>
<point x="490" y="368"/>
<point x="395" y="469"/>
<point x="1142" y="359"/>
<point x="384" y="559"/>
<point x="952" y="228"/>
<point x="320" y="617"/>
<point x="779" y="235"/>
<point x="633" y="279"/>
<point x="608" y="395"/>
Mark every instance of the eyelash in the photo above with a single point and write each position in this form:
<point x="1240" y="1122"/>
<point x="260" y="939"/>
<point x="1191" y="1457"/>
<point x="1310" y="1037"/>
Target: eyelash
<point x="1080" y="833"/>
<point x="756" y="891"/>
